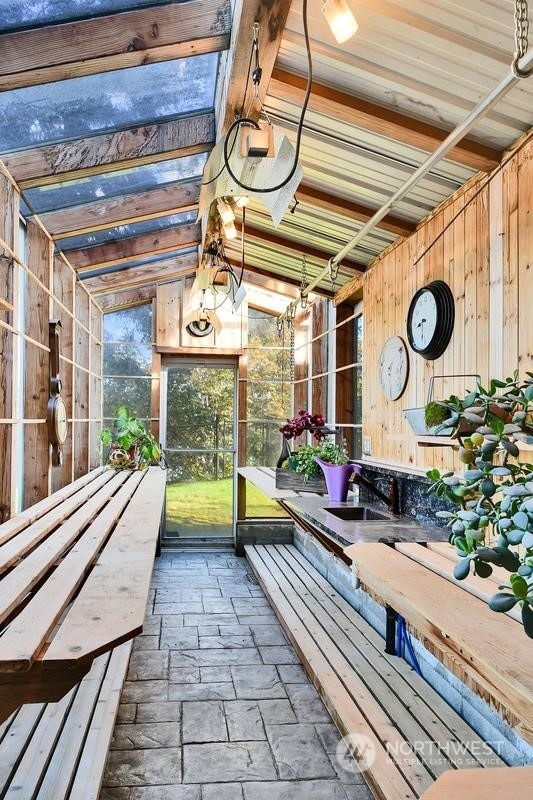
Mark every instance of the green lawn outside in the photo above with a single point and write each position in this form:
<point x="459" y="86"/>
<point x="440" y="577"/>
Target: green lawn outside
<point x="209" y="503"/>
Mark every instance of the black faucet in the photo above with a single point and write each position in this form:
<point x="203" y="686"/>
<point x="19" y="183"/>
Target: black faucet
<point x="392" y="499"/>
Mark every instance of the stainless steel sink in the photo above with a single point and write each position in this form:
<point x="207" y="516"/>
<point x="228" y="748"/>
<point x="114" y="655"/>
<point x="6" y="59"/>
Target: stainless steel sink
<point x="359" y="513"/>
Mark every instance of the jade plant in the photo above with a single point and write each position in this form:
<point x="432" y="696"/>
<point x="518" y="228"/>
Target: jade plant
<point x="491" y="520"/>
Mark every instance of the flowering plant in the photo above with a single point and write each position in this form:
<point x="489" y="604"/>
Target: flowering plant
<point x="304" y="421"/>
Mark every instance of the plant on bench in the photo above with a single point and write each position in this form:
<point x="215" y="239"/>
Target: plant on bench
<point x="132" y="446"/>
<point x="492" y="523"/>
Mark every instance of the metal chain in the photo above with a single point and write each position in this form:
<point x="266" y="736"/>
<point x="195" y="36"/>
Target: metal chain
<point x="291" y="351"/>
<point x="521" y="20"/>
<point x="303" y="283"/>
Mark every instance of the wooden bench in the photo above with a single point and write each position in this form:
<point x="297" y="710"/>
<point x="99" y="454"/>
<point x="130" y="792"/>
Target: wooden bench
<point x="475" y="785"/>
<point x="75" y="573"/>
<point x="487" y="651"/>
<point x="55" y="751"/>
<point x="401" y="732"/>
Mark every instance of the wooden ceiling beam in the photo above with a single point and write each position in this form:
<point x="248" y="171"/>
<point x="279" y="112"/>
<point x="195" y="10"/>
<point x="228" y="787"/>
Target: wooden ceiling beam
<point x="234" y="83"/>
<point x="296" y="246"/>
<point x="378" y="119"/>
<point x="109" y="152"/>
<point x="348" y="208"/>
<point x="122" y="250"/>
<point x="125" y="298"/>
<point x="123" y="210"/>
<point x="271" y="16"/>
<point x="277" y="278"/>
<point x="132" y="277"/>
<point x="117" y="41"/>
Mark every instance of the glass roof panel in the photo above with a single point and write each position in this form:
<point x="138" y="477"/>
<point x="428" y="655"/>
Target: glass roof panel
<point x="125" y="231"/>
<point x="92" y="104"/>
<point x="16" y="14"/>
<point x="114" y="184"/>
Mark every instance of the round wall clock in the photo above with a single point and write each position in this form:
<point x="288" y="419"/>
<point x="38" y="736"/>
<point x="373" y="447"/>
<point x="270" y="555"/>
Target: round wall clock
<point x="430" y="319"/>
<point x="393" y="368"/>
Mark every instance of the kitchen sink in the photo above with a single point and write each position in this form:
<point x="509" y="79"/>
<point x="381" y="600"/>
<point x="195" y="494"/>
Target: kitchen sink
<point x="359" y="513"/>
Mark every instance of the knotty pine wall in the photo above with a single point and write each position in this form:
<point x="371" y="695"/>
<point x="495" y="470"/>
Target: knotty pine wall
<point x="39" y="289"/>
<point x="480" y="243"/>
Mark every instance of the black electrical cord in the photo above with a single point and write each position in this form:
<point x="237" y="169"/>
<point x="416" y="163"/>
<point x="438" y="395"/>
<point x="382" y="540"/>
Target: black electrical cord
<point x="248" y="121"/>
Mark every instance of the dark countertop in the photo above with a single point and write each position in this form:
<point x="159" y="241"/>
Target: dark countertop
<point x="314" y="509"/>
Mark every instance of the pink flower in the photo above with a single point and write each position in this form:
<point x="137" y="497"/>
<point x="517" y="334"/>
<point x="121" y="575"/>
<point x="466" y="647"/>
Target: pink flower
<point x="304" y="421"/>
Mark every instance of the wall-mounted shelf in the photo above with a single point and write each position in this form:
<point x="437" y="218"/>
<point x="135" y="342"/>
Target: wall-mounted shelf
<point x="436" y="441"/>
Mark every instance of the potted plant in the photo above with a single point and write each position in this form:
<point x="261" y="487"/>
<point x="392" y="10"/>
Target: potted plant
<point x="308" y="479"/>
<point x="491" y="519"/>
<point x="439" y="418"/>
<point x="131" y="445"/>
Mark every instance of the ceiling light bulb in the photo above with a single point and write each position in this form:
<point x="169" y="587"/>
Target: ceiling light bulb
<point x="241" y="201"/>
<point x="230" y="231"/>
<point x="226" y="212"/>
<point x="340" y="19"/>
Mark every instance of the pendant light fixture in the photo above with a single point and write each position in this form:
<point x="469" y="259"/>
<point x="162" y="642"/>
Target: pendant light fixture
<point x="340" y="19"/>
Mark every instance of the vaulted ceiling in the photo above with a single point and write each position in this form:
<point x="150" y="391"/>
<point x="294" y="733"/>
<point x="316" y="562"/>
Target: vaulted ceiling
<point x="109" y="109"/>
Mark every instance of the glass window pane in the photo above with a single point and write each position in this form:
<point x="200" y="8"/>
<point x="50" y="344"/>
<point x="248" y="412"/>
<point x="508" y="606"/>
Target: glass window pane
<point x="358" y="395"/>
<point x="78" y="107"/>
<point x="263" y="443"/>
<point x="129" y="325"/>
<point x="30" y="13"/>
<point x="359" y="331"/>
<point x="200" y="408"/>
<point x="199" y="495"/>
<point x="115" y="184"/>
<point x="136" y="393"/>
<point x="268" y="400"/>
<point x="124" y="231"/>
<point x="127" y="359"/>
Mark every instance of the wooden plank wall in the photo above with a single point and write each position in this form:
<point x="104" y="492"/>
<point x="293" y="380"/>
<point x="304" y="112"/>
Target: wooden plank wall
<point x="49" y="290"/>
<point x="480" y="243"/>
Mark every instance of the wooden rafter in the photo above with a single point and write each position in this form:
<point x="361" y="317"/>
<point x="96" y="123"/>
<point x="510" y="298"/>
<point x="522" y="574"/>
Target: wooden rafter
<point x="134" y="247"/>
<point x="117" y="41"/>
<point x="139" y="276"/>
<point x="348" y="208"/>
<point x="235" y="83"/>
<point x="279" y="279"/>
<point x="126" y="297"/>
<point x="271" y="16"/>
<point x="123" y="210"/>
<point x="298" y="247"/>
<point x="122" y="149"/>
<point x="378" y="119"/>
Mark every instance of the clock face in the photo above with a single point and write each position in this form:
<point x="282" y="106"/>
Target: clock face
<point x="57" y="420"/>
<point x="393" y="368"/>
<point x="424" y="320"/>
<point x="430" y="319"/>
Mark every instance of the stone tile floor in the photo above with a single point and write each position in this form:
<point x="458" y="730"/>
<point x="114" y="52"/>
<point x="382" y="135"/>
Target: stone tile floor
<point x="216" y="705"/>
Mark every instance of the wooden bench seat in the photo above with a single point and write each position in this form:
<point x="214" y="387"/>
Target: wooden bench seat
<point x="55" y="751"/>
<point x="475" y="785"/>
<point x="74" y="579"/>
<point x="401" y="732"/>
<point x="487" y="651"/>
<point x="439" y="563"/>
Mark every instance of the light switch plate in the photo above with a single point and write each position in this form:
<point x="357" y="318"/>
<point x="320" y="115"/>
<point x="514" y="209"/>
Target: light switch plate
<point x="367" y="446"/>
